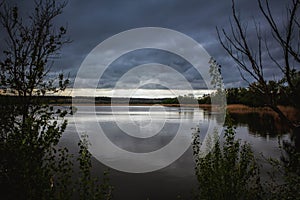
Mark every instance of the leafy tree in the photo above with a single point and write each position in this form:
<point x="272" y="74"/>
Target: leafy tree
<point x="33" y="166"/>
<point x="30" y="130"/>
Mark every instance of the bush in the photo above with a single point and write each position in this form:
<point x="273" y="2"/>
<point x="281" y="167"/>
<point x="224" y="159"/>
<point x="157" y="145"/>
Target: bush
<point x="229" y="171"/>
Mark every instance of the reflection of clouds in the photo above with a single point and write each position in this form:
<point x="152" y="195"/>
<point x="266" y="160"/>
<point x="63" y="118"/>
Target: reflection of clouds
<point x="107" y="119"/>
<point x="140" y="38"/>
<point x="180" y="174"/>
<point x="139" y="145"/>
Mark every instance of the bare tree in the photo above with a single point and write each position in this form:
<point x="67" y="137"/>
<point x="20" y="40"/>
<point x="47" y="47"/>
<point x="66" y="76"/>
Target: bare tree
<point x="251" y="60"/>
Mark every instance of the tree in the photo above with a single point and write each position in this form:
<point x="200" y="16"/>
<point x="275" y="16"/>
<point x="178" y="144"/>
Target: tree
<point x="252" y="62"/>
<point x="32" y="165"/>
<point x="31" y="47"/>
<point x="30" y="129"/>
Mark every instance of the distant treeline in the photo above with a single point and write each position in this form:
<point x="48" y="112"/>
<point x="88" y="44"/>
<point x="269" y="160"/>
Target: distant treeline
<point x="246" y="96"/>
<point x="12" y="99"/>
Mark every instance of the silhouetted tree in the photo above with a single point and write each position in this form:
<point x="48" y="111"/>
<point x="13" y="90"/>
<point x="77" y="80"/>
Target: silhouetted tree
<point x="31" y="129"/>
<point x="32" y="164"/>
<point x="249" y="55"/>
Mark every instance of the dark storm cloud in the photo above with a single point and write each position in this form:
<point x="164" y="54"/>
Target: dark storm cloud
<point x="139" y="57"/>
<point x="91" y="22"/>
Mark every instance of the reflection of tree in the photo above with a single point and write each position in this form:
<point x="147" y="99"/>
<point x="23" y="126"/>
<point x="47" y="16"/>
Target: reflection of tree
<point x="261" y="123"/>
<point x="187" y="113"/>
<point x="209" y="114"/>
<point x="296" y="138"/>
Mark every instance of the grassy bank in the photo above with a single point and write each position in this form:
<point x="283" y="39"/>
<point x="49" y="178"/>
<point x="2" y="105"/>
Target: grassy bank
<point x="290" y="112"/>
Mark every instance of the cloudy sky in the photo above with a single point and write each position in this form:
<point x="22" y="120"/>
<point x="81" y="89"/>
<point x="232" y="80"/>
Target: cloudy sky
<point x="91" y="22"/>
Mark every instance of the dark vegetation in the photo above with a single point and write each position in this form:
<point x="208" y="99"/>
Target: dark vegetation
<point x="246" y="96"/>
<point x="250" y="97"/>
<point x="33" y="165"/>
<point x="253" y="56"/>
<point x="68" y="100"/>
<point x="231" y="171"/>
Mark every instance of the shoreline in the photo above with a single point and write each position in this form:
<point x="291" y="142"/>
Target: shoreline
<point x="232" y="108"/>
<point x="138" y="104"/>
<point x="238" y="109"/>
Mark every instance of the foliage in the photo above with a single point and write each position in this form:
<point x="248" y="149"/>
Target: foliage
<point x="33" y="166"/>
<point x="89" y="187"/>
<point x="251" y="95"/>
<point x="28" y="154"/>
<point x="185" y="99"/>
<point x="170" y="101"/>
<point x="32" y="45"/>
<point x="218" y="97"/>
<point x="205" y="99"/>
<point x="285" y="178"/>
<point x="36" y="168"/>
<point x="29" y="129"/>
<point x="229" y="171"/>
<point x="242" y="96"/>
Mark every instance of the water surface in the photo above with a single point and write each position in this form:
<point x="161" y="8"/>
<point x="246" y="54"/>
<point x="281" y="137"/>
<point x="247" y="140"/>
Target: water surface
<point x="176" y="179"/>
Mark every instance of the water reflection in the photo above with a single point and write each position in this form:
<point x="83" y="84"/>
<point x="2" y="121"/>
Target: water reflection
<point x="264" y="124"/>
<point x="177" y="178"/>
<point x="141" y="138"/>
<point x="268" y="127"/>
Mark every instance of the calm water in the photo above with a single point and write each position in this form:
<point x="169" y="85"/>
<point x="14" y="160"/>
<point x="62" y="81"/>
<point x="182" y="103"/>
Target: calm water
<point x="158" y="127"/>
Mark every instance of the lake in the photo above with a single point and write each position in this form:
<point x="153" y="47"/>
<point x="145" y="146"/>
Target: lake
<point x="143" y="129"/>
